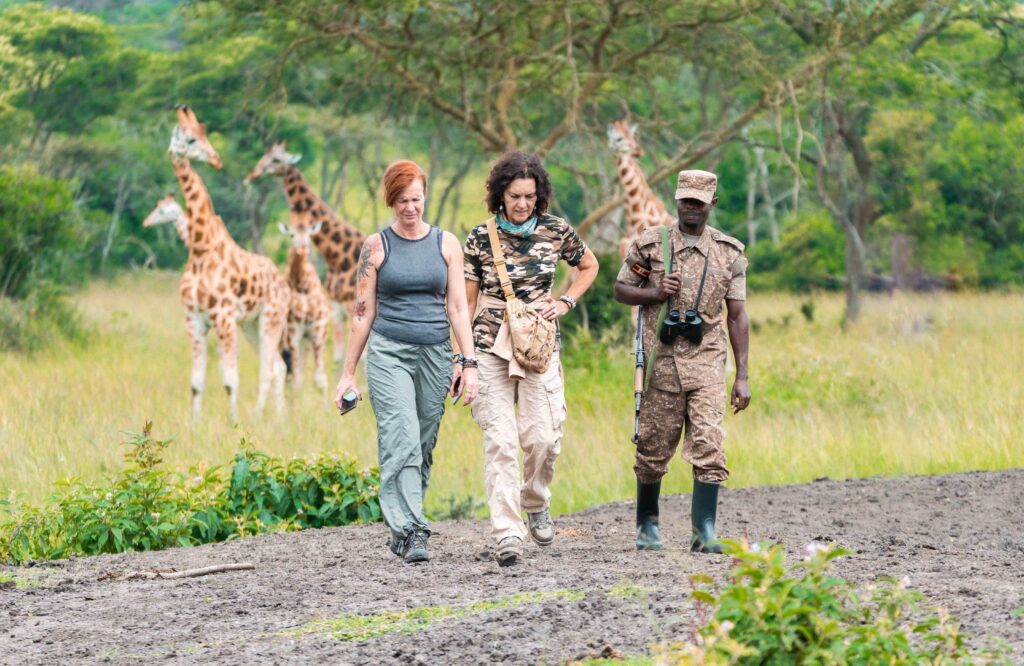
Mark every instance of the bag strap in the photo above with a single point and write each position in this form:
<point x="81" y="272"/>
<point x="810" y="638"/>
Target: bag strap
<point x="499" y="260"/>
<point x="666" y="260"/>
<point x="700" y="291"/>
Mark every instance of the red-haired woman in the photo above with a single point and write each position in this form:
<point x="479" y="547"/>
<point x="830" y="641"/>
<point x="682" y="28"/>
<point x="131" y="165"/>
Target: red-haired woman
<point x="409" y="290"/>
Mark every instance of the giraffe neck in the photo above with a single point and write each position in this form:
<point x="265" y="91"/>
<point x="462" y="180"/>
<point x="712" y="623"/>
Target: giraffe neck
<point x="205" y="228"/>
<point x="303" y="201"/>
<point x="300" y="271"/>
<point x="643" y="207"/>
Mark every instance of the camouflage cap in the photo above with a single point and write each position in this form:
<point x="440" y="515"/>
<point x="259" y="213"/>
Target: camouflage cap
<point x="696" y="184"/>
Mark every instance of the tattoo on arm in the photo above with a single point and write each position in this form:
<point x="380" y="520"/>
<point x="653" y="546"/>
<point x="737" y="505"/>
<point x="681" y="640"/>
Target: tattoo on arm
<point x="360" y="309"/>
<point x="365" y="261"/>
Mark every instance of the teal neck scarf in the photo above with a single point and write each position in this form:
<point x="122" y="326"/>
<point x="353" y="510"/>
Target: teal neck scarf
<point x="521" y="230"/>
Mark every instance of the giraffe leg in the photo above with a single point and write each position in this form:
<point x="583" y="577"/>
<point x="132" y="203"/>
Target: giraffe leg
<point x="196" y="327"/>
<point x="340" y="314"/>
<point x="272" y="370"/>
<point x="227" y="339"/>
<point x="295" y="345"/>
<point x="319" y="339"/>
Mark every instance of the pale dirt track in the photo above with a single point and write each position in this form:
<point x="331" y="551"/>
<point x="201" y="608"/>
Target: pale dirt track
<point x="959" y="538"/>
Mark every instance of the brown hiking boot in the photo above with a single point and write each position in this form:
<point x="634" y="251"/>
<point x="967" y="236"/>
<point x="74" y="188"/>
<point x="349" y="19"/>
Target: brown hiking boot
<point x="510" y="549"/>
<point x="542" y="530"/>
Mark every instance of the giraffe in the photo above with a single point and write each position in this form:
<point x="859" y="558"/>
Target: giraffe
<point x="643" y="208"/>
<point x="224" y="285"/>
<point x="168" y="210"/>
<point x="338" y="242"/>
<point x="310" y="310"/>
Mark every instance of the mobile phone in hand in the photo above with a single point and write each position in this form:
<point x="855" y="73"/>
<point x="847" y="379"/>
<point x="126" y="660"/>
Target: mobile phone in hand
<point x="348" y="402"/>
<point x="457" y="390"/>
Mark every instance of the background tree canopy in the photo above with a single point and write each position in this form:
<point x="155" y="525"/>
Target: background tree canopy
<point x="868" y="144"/>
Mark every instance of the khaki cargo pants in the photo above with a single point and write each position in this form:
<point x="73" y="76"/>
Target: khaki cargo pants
<point x="527" y="414"/>
<point x="669" y="406"/>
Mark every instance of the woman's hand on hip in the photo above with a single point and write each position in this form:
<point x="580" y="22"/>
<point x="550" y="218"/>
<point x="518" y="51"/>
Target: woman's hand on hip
<point x="554" y="309"/>
<point x="345" y="384"/>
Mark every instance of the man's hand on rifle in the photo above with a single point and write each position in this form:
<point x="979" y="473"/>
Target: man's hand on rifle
<point x="670" y="284"/>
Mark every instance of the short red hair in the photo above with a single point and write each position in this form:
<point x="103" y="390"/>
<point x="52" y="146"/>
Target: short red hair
<point x="400" y="175"/>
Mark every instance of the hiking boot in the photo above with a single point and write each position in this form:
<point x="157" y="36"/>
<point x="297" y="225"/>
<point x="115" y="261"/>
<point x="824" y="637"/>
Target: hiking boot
<point x="703" y="510"/>
<point x="510" y="549"/>
<point x="416" y="547"/>
<point x="541" y="528"/>
<point x="647" y="537"/>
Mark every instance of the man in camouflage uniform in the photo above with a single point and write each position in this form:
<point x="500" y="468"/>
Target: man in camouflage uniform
<point x="686" y="380"/>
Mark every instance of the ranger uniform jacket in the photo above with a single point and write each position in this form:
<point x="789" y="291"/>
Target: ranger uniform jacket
<point x="696" y="365"/>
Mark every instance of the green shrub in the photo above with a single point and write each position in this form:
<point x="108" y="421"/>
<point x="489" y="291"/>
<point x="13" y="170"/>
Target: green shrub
<point x="147" y="507"/>
<point x="802" y="614"/>
<point x="31" y="323"/>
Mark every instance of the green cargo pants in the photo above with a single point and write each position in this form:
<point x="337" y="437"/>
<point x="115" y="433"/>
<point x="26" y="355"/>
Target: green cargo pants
<point x="408" y="384"/>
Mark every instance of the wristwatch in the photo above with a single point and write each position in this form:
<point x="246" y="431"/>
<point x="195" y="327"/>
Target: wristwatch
<point x="568" y="300"/>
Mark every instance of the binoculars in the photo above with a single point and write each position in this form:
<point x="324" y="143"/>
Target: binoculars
<point x="690" y="326"/>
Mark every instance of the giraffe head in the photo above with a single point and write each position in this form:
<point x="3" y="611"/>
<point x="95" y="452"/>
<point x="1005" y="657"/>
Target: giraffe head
<point x="274" y="162"/>
<point x="189" y="139"/>
<point x="622" y="138"/>
<point x="168" y="210"/>
<point x="301" y="233"/>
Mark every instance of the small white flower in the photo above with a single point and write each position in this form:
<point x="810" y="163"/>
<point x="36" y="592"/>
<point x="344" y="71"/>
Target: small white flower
<point x="197" y="480"/>
<point x="905" y="581"/>
<point x="727" y="626"/>
<point x="815" y="547"/>
<point x="109" y="496"/>
<point x="335" y="456"/>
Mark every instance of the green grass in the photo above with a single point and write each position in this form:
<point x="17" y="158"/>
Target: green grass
<point x="365" y="627"/>
<point x="924" y="384"/>
<point x="22" y="581"/>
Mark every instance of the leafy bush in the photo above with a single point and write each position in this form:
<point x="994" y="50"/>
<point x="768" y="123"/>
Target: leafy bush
<point x="606" y="319"/>
<point x="802" y="614"/>
<point x="810" y="255"/>
<point x="147" y="507"/>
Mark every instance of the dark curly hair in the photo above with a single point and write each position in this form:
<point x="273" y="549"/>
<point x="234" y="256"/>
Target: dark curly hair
<point x="511" y="166"/>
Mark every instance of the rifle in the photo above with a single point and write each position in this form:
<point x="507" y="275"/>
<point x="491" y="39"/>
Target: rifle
<point x="639" y="372"/>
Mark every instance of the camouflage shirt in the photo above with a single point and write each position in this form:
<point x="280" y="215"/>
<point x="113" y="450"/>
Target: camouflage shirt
<point x="703" y="364"/>
<point x="530" y="262"/>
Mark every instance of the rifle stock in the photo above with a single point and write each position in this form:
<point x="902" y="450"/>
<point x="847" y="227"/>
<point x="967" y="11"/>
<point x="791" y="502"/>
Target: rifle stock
<point x="639" y="372"/>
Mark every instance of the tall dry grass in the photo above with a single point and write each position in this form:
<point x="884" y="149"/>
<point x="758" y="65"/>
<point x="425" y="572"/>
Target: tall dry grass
<point x="923" y="384"/>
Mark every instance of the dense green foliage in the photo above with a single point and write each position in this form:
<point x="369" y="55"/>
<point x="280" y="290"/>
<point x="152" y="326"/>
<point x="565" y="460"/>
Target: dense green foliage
<point x="831" y="125"/>
<point x="147" y="507"/>
<point x="803" y="614"/>
<point x="42" y="242"/>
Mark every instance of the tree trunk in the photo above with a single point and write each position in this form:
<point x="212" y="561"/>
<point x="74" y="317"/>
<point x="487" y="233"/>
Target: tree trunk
<point x="854" y="272"/>
<point x="751" y="199"/>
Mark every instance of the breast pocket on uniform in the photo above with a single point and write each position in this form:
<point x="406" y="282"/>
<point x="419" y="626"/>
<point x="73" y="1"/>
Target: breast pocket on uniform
<point x="715" y="288"/>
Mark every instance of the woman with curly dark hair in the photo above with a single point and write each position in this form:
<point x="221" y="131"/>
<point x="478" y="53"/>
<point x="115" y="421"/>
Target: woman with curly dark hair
<point x="518" y="407"/>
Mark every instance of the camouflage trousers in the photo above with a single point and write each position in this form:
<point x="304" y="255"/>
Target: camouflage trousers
<point x="664" y="414"/>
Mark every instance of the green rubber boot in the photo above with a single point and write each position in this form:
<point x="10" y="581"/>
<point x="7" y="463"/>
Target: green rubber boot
<point x="703" y="509"/>
<point x="647" y="515"/>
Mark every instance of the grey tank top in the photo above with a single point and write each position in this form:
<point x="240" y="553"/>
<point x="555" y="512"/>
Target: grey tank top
<point x="412" y="283"/>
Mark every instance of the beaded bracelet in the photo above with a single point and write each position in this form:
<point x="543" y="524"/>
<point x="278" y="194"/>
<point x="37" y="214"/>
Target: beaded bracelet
<point x="568" y="300"/>
<point x="457" y="358"/>
<point x="469" y="362"/>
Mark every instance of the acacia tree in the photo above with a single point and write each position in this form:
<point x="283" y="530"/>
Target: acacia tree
<point x="529" y="75"/>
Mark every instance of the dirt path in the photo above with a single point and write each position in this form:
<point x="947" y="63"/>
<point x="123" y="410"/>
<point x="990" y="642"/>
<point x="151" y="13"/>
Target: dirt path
<point x="337" y="596"/>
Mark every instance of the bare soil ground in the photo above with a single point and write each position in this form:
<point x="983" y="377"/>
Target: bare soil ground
<point x="338" y="596"/>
